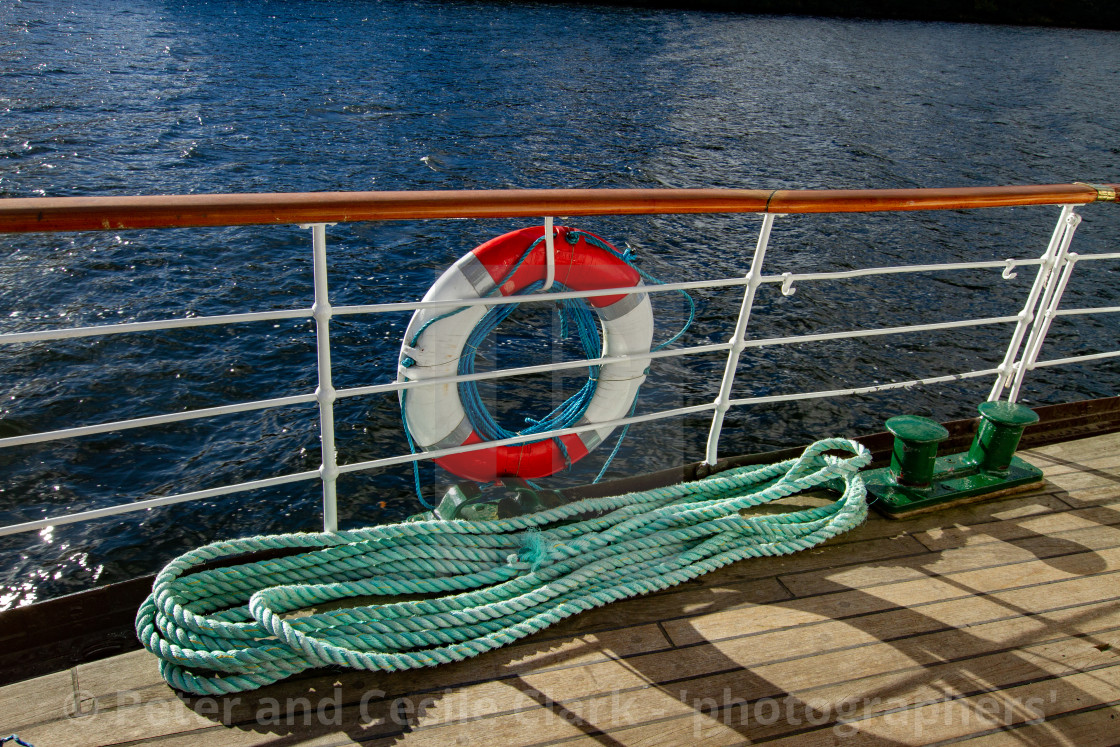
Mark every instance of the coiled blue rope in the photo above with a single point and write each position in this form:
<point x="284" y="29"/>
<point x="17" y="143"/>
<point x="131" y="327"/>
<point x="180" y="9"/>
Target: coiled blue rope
<point x="574" y="313"/>
<point x="229" y="629"/>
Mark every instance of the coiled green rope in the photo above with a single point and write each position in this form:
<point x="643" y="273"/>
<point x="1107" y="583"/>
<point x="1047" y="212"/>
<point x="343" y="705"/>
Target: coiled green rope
<point x="226" y="630"/>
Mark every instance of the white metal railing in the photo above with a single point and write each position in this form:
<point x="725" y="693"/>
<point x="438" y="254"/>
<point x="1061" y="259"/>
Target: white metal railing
<point x="1032" y="324"/>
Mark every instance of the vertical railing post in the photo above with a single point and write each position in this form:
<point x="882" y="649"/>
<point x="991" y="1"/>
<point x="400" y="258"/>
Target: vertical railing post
<point x="1044" y="279"/>
<point x="325" y="392"/>
<point x="1048" y="306"/>
<point x="738" y="340"/>
<point x="549" y="254"/>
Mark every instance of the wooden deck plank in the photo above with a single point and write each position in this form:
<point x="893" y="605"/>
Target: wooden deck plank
<point x="960" y="717"/>
<point x="127" y="720"/>
<point x="1091" y="727"/>
<point x="773" y="699"/>
<point x="617" y="695"/>
<point x="1026" y="556"/>
<point x="140" y="671"/>
<point x="1034" y="503"/>
<point x="918" y="594"/>
<point x="145" y="706"/>
<point x="923" y="624"/>
<point x="829" y="555"/>
<point x="1060" y="525"/>
<point x="700" y="708"/>
<point x="1097" y="452"/>
<point x="795" y="697"/>
<point x="35" y="701"/>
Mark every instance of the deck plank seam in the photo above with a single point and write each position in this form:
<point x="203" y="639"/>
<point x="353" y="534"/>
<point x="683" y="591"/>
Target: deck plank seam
<point x="895" y="639"/>
<point x="785" y="587"/>
<point x="1066" y="495"/>
<point x="901" y="530"/>
<point x="1048" y="489"/>
<point x="716" y="713"/>
<point x="702" y="580"/>
<point x="1029" y="533"/>
<point x="779" y="577"/>
<point x="75" y="690"/>
<point x="935" y="701"/>
<point x="1033" y="722"/>
<point x="665" y="634"/>
<point x="721" y="709"/>
<point x="1012" y="615"/>
<point x="938" y="575"/>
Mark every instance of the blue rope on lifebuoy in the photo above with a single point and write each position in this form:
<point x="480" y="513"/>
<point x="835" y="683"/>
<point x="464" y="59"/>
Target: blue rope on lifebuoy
<point x="575" y="313"/>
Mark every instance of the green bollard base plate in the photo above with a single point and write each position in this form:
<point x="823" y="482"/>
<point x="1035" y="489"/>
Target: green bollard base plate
<point x="956" y="479"/>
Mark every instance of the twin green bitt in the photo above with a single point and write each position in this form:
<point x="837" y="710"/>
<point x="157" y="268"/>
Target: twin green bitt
<point x="489" y="583"/>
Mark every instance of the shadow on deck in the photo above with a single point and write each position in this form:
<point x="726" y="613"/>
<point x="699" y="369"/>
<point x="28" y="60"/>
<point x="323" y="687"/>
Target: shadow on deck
<point x="998" y="622"/>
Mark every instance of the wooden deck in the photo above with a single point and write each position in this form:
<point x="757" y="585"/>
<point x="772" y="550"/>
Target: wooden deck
<point x="995" y="622"/>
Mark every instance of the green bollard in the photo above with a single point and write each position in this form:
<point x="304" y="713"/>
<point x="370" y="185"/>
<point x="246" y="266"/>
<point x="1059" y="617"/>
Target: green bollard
<point x="918" y="480"/>
<point x="1001" y="426"/>
<point x="915" y="449"/>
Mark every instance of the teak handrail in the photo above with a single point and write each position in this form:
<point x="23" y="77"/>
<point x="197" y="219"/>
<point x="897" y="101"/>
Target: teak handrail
<point x="41" y="214"/>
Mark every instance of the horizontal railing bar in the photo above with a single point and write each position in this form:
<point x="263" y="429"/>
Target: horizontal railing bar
<point x="36" y="214"/>
<point x="118" y="329"/>
<point x="950" y="266"/>
<point x="527" y="370"/>
<point x="877" y="332"/>
<point x="438" y="453"/>
<point x="177" y="417"/>
<point x="375" y="308"/>
<point x="1091" y="257"/>
<point x="1089" y="310"/>
<point x="1075" y="359"/>
<point x="131" y="327"/>
<point x="862" y="389"/>
<point x="155" y="502"/>
<point x="663" y="287"/>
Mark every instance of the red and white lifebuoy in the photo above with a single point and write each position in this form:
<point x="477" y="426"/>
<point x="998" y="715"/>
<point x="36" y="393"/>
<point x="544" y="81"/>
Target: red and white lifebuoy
<point x="434" y="414"/>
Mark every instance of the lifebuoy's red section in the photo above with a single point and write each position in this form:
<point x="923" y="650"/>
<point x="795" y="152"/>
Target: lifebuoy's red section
<point x="579" y="266"/>
<point x="530" y="461"/>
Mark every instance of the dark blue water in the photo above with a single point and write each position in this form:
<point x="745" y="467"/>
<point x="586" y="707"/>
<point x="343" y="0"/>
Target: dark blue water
<point x="108" y="98"/>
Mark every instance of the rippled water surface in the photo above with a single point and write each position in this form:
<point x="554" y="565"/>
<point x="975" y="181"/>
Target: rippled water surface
<point x="145" y="97"/>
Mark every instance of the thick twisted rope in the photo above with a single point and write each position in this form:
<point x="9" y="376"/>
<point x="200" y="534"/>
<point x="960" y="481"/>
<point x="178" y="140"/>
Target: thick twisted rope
<point x="228" y="630"/>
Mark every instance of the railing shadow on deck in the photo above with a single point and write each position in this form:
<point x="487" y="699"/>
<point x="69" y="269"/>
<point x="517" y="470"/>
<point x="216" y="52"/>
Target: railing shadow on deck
<point x="952" y="676"/>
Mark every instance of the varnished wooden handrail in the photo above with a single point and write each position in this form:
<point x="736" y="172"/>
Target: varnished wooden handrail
<point x="27" y="215"/>
<point x="876" y="200"/>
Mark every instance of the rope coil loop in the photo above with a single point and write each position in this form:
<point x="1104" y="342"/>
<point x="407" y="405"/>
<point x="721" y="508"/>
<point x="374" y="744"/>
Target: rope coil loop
<point x="489" y="583"/>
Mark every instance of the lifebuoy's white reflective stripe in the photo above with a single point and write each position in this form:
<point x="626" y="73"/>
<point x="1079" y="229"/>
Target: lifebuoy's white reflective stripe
<point x="435" y="415"/>
<point x="627" y="330"/>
